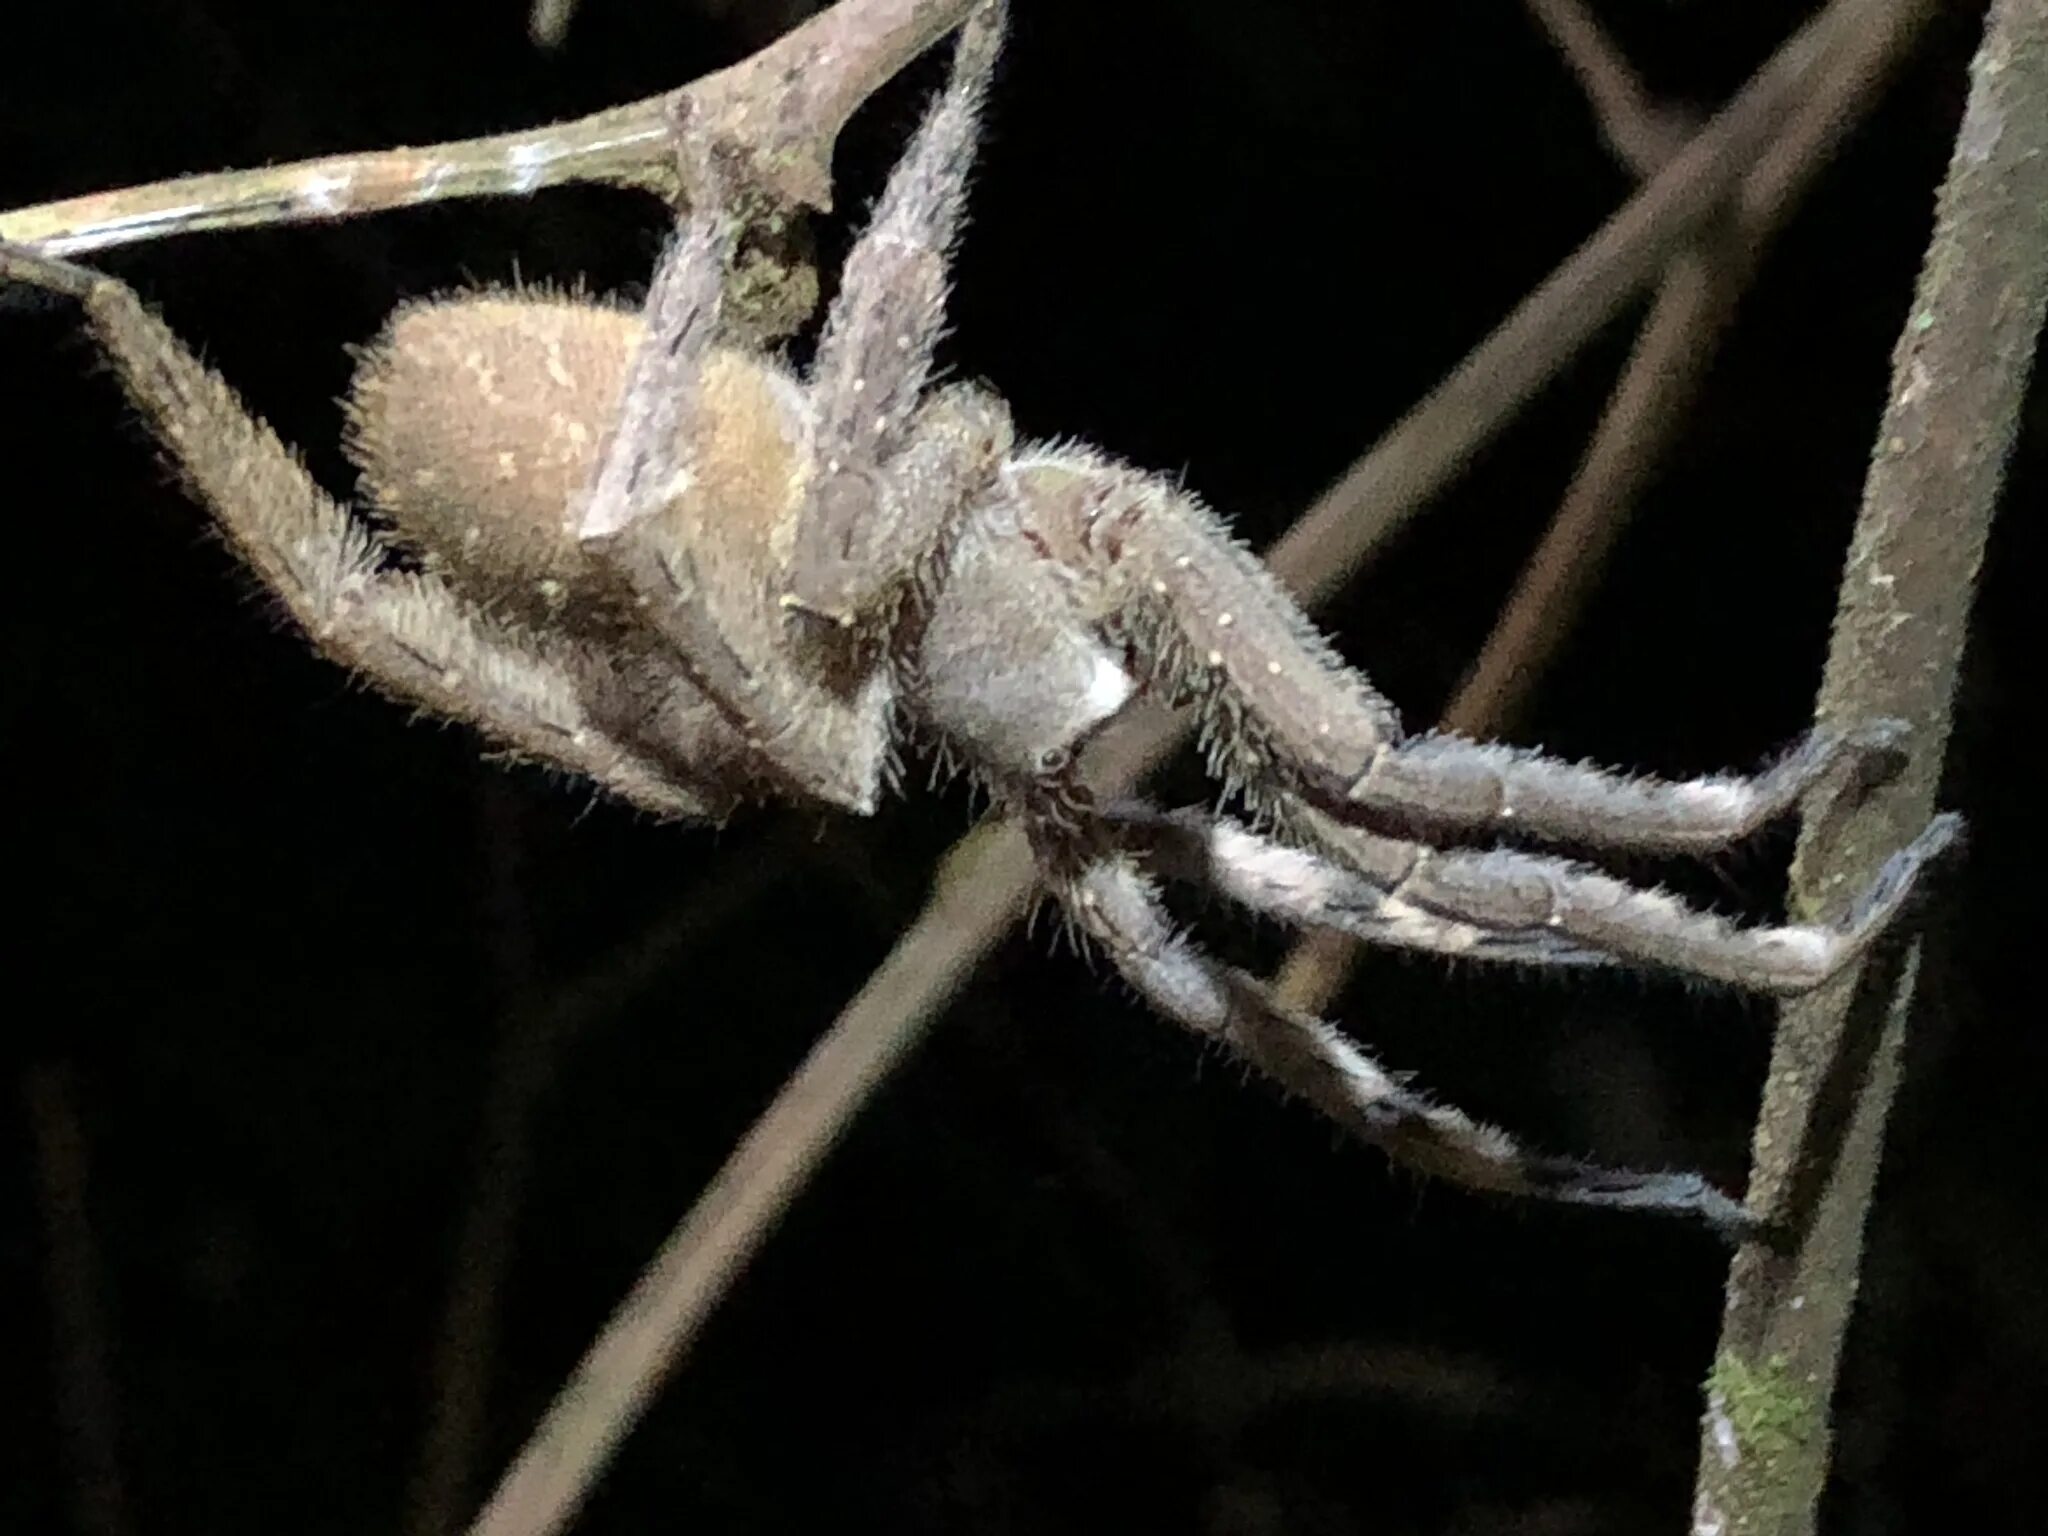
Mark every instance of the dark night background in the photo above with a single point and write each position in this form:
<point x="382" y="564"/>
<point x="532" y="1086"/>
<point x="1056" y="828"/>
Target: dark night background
<point x="272" y="940"/>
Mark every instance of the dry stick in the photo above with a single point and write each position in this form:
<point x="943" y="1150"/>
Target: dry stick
<point x="80" y="1339"/>
<point x="780" y="110"/>
<point x="1959" y="379"/>
<point x="1640" y="420"/>
<point x="465" y="1348"/>
<point x="967" y="915"/>
<point x="989" y="879"/>
<point x="1673" y="352"/>
<point x="535" y="1035"/>
<point x="1639" y="135"/>
<point x="1400" y="474"/>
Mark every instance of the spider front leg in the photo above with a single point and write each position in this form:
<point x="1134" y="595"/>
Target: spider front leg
<point x="1282" y="710"/>
<point x="405" y="632"/>
<point x="1116" y="905"/>
<point x="734" y="502"/>
<point x="894" y="474"/>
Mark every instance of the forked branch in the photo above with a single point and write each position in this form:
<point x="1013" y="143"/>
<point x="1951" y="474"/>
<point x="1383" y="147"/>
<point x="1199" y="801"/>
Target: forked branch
<point x="1695" y="305"/>
<point x="989" y="878"/>
<point x="779" y="110"/>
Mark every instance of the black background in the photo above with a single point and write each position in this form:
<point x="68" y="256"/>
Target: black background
<point x="1067" y="1273"/>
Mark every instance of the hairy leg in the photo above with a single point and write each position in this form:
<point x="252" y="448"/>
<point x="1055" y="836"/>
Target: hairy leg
<point x="1507" y="890"/>
<point x="1302" y="887"/>
<point x="681" y="511"/>
<point x="1212" y="625"/>
<point x="730" y="495"/>
<point x="404" y="632"/>
<point x="1114" y="903"/>
<point x="892" y="474"/>
<point x="1450" y="783"/>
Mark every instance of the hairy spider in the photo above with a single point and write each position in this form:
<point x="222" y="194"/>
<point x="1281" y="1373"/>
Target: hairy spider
<point x="683" y="570"/>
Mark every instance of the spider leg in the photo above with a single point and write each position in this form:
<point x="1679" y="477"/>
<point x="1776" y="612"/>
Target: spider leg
<point x="722" y="472"/>
<point x="1117" y="906"/>
<point x="1507" y="890"/>
<point x="1015" y="679"/>
<point x="1214" y="626"/>
<point x="1449" y="782"/>
<point x="893" y="476"/>
<point x="1302" y="887"/>
<point x="680" y="511"/>
<point x="403" y="631"/>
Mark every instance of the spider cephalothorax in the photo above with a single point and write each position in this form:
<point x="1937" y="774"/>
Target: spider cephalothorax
<point x="696" y="576"/>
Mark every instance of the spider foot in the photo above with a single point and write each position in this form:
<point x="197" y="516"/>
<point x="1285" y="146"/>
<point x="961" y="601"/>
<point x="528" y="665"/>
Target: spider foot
<point x="1876" y="750"/>
<point x="1302" y="887"/>
<point x="1687" y="1196"/>
<point x="1900" y="878"/>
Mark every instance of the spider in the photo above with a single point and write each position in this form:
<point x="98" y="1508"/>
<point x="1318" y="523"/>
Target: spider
<point x="637" y="551"/>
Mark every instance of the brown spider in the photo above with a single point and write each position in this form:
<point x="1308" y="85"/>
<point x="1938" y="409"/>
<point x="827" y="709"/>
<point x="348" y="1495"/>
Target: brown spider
<point x="686" y="572"/>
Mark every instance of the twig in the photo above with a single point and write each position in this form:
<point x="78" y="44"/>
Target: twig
<point x="1673" y="352"/>
<point x="465" y="1350"/>
<point x="1676" y="347"/>
<point x="80" y="1346"/>
<point x="537" y="1030"/>
<point x="696" y="1266"/>
<point x="989" y="878"/>
<point x="1422" y="452"/>
<point x="1959" y="380"/>
<point x="779" y="110"/>
<point x="1640" y="136"/>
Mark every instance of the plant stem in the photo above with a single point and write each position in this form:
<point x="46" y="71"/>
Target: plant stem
<point x="1959" y="378"/>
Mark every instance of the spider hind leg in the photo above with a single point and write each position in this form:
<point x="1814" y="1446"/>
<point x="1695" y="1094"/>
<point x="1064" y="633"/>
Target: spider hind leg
<point x="1115" y="904"/>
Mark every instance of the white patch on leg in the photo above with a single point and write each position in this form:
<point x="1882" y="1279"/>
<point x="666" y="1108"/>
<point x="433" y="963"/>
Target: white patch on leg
<point x="1109" y="688"/>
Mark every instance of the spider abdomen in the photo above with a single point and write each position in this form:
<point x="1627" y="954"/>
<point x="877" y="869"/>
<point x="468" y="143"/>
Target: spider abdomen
<point x="478" y="423"/>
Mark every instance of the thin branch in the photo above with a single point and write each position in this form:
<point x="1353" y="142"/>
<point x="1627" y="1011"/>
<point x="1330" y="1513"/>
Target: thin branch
<point x="1959" y="378"/>
<point x="538" y="1029"/>
<point x="1673" y="353"/>
<point x="1641" y="136"/>
<point x="779" y="111"/>
<point x="81" y="1344"/>
<point x="1677" y="345"/>
<point x="464" y="1357"/>
<point x="696" y="1266"/>
<point x="1425" y="449"/>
